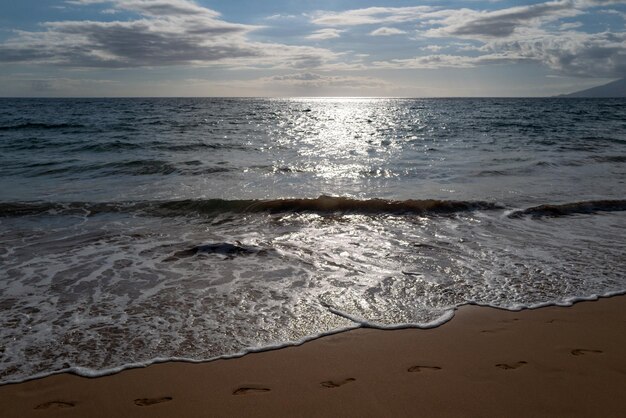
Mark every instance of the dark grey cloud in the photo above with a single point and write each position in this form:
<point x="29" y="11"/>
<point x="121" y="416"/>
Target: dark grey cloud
<point x="21" y="84"/>
<point x="573" y="53"/>
<point x="524" y="33"/>
<point x="502" y="24"/>
<point x="465" y="23"/>
<point x="175" y="32"/>
<point x="144" y="43"/>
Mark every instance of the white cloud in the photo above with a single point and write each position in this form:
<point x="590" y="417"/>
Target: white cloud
<point x="432" y="48"/>
<point x="280" y="56"/>
<point x="448" y="61"/>
<point x="594" y="3"/>
<point x="370" y="15"/>
<point x="325" y="34"/>
<point x="281" y="17"/>
<point x="385" y="31"/>
<point x="466" y="46"/>
<point x="568" y="26"/>
<point x="614" y="12"/>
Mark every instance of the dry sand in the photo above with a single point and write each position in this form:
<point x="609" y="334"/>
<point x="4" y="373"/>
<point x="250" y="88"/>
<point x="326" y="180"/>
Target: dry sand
<point x="485" y="362"/>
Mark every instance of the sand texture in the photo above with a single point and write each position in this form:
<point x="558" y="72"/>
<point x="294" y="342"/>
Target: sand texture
<point x="485" y="362"/>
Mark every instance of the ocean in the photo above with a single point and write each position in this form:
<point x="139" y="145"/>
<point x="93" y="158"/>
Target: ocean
<point x="135" y="231"/>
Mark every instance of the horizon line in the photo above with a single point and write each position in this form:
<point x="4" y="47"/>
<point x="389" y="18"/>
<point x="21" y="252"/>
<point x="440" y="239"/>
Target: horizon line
<point x="560" y="96"/>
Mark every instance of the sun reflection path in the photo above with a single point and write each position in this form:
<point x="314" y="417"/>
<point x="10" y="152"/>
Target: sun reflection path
<point x="362" y="147"/>
<point x="343" y="139"/>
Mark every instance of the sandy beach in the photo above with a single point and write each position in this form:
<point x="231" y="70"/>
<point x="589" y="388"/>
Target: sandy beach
<point x="554" y="361"/>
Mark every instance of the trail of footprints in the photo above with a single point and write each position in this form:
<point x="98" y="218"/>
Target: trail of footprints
<point x="328" y="384"/>
<point x="575" y="352"/>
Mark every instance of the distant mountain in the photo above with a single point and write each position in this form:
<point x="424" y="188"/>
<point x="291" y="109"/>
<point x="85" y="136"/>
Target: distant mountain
<point x="613" y="89"/>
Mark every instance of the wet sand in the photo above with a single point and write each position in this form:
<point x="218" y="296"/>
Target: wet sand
<point x="551" y="361"/>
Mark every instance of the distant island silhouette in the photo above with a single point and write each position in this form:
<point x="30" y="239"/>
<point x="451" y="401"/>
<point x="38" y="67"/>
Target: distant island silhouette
<point x="615" y="88"/>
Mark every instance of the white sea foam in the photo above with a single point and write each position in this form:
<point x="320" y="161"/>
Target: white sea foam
<point x="117" y="291"/>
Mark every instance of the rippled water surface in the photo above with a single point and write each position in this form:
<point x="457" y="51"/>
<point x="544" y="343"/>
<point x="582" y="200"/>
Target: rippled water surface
<point x="141" y="229"/>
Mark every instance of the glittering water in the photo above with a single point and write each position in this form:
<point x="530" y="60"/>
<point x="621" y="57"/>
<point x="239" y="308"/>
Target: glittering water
<point x="134" y="230"/>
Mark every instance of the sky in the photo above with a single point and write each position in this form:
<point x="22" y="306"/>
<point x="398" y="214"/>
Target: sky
<point x="285" y="48"/>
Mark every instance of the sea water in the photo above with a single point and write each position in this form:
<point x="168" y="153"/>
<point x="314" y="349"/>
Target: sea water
<point x="141" y="230"/>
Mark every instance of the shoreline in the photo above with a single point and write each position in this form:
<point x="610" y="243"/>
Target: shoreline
<point x="549" y="361"/>
<point x="358" y="324"/>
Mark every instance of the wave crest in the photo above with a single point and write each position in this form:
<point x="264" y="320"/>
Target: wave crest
<point x="567" y="209"/>
<point x="320" y="205"/>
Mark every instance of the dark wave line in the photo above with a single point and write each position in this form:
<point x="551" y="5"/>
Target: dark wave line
<point x="567" y="209"/>
<point x="320" y="205"/>
<point x="109" y="146"/>
<point x="35" y="125"/>
<point x="610" y="159"/>
<point x="19" y="144"/>
<point x="52" y="208"/>
<point x="374" y="206"/>
<point x="129" y="167"/>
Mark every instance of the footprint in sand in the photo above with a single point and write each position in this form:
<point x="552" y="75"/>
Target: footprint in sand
<point x="55" y="405"/>
<point x="582" y="352"/>
<point x="152" y="401"/>
<point x="245" y="390"/>
<point x="512" y="366"/>
<point x="417" y="369"/>
<point x="335" y="384"/>
<point x="493" y="331"/>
